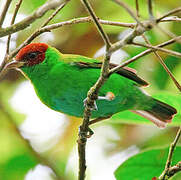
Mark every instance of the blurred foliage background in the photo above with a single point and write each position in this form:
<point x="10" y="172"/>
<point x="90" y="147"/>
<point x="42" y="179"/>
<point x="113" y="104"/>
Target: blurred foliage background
<point x="114" y="140"/>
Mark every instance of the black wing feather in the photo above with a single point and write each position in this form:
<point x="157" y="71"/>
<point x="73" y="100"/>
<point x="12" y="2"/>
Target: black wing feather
<point x="122" y="71"/>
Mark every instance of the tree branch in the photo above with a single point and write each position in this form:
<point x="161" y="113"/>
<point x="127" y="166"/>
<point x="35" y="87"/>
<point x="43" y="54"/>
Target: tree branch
<point x="29" y="39"/>
<point x="127" y="8"/>
<point x="12" y="22"/>
<point x="54" y="14"/>
<point x="137" y="8"/>
<point x="92" y="94"/>
<point x="156" y="48"/>
<point x="173" y="11"/>
<point x="171" y="18"/>
<point x="150" y="10"/>
<point x="4" y="11"/>
<point x="20" y="26"/>
<point x="97" y="24"/>
<point x="113" y="70"/>
<point x="53" y="4"/>
<point x="170" y="171"/>
<point x="164" y="65"/>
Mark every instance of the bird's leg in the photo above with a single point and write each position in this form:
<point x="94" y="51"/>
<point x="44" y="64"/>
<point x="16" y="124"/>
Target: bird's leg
<point x="94" y="107"/>
<point x="109" y="96"/>
<point x="99" y="119"/>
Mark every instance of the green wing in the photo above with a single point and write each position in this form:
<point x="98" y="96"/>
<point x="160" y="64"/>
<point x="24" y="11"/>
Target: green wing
<point x="85" y="62"/>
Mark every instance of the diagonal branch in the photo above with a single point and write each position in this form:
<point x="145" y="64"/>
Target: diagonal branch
<point x="148" y="51"/>
<point x="6" y="58"/>
<point x="12" y="22"/>
<point x="156" y="48"/>
<point x="54" y="14"/>
<point x="97" y="24"/>
<point x="127" y="8"/>
<point x="137" y="8"/>
<point x="170" y="171"/>
<point x="174" y="11"/>
<point x="20" y="26"/>
<point x="4" y="11"/>
<point x="33" y="36"/>
<point x="164" y="65"/>
<point x="150" y="9"/>
<point x="53" y="4"/>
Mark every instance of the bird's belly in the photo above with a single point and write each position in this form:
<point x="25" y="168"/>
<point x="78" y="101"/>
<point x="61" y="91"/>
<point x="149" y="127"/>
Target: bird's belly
<point x="74" y="105"/>
<point x="67" y="95"/>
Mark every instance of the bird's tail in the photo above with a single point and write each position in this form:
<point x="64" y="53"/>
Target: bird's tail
<point x="160" y="113"/>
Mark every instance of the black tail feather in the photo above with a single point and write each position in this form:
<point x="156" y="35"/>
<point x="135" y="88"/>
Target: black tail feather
<point x="160" y="113"/>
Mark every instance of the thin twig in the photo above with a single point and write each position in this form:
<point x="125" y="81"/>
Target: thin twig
<point x="92" y="94"/>
<point x="127" y="8"/>
<point x="150" y="10"/>
<point x="137" y="8"/>
<point x="48" y="28"/>
<point x="168" y="171"/>
<point x="29" y="39"/>
<point x="49" y="5"/>
<point x="156" y="48"/>
<point x="167" y="32"/>
<point x="17" y="27"/>
<point x="54" y="13"/>
<point x="113" y="70"/>
<point x="173" y="11"/>
<point x="172" y="147"/>
<point x="6" y="57"/>
<point x="171" y="19"/>
<point x="4" y="11"/>
<point x="20" y="26"/>
<point x="12" y="22"/>
<point x="96" y="21"/>
<point x="164" y="65"/>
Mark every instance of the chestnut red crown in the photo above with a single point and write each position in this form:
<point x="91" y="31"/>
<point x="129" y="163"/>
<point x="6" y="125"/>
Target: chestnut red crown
<point x="32" y="54"/>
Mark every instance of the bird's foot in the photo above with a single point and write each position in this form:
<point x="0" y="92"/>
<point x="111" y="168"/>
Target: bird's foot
<point x="109" y="96"/>
<point x="93" y="107"/>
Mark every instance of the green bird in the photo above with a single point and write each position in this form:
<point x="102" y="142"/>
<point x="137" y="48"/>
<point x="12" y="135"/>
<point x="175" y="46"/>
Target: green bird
<point x="62" y="81"/>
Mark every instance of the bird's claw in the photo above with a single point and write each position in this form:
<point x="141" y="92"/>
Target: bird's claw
<point x="93" y="107"/>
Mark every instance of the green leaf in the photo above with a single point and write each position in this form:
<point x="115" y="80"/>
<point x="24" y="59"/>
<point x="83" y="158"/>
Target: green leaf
<point x="129" y="117"/>
<point x="146" y="165"/>
<point x="17" y="167"/>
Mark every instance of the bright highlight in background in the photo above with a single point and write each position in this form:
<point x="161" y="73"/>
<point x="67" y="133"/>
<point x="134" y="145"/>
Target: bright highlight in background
<point x="42" y="126"/>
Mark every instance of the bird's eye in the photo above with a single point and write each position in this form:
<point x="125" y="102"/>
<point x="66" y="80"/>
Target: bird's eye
<point x="32" y="55"/>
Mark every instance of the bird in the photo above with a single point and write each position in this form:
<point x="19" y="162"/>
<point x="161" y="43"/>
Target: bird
<point x="61" y="81"/>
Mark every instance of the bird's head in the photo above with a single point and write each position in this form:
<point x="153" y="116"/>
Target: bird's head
<point x="30" y="55"/>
